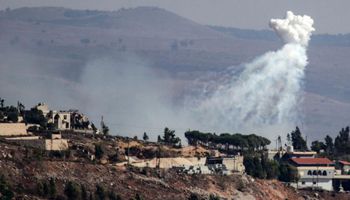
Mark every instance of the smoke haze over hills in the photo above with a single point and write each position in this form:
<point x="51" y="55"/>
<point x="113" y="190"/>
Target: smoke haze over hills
<point x="140" y="79"/>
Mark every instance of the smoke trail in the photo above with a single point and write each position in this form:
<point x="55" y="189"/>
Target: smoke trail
<point x="268" y="91"/>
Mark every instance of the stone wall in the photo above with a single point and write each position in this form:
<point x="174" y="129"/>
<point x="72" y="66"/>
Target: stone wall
<point x="13" y="129"/>
<point x="56" y="144"/>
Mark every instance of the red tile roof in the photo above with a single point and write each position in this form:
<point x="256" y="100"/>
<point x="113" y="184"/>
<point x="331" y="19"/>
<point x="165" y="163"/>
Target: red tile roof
<point x="343" y="162"/>
<point x="312" y="161"/>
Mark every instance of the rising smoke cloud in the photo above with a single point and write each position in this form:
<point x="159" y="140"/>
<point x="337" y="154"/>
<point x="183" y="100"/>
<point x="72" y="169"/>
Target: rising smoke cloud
<point x="134" y="97"/>
<point x="267" y="95"/>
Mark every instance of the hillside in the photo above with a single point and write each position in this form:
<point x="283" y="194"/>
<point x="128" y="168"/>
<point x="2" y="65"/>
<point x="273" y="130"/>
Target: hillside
<point x="34" y="174"/>
<point x="55" y="47"/>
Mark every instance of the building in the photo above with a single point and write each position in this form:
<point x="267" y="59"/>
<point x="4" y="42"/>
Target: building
<point x="314" y="172"/>
<point x="344" y="166"/>
<point x="66" y="120"/>
<point x="229" y="164"/>
<point x="61" y="120"/>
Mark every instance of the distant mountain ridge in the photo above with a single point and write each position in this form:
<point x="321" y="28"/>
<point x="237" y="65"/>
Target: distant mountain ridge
<point x="58" y="43"/>
<point x="268" y="35"/>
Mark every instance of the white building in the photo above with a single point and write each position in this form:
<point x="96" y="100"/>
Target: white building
<point x="314" y="172"/>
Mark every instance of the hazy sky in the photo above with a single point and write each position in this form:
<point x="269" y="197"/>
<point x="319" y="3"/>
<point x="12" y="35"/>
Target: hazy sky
<point x="331" y="16"/>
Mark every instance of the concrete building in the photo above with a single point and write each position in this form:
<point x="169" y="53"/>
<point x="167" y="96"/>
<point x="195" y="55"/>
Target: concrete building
<point x="66" y="120"/>
<point x="314" y="172"/>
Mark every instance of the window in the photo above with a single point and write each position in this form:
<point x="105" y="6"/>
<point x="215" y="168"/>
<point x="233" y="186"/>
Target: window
<point x="324" y="173"/>
<point x="65" y="117"/>
<point x="303" y="183"/>
<point x="309" y="173"/>
<point x="314" y="172"/>
<point x="319" y="172"/>
<point x="314" y="182"/>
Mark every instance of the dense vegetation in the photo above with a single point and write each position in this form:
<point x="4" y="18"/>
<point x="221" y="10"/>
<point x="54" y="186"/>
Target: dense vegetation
<point x="250" y="142"/>
<point x="9" y="113"/>
<point x="260" y="166"/>
<point x="339" y="149"/>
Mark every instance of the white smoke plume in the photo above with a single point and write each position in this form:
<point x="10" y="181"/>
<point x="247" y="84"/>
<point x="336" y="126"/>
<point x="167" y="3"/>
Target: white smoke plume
<point x="267" y="93"/>
<point x="294" y="28"/>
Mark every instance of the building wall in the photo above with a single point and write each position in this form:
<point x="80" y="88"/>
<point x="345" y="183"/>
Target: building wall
<point x="36" y="143"/>
<point x="45" y="144"/>
<point x="56" y="144"/>
<point x="325" y="184"/>
<point x="304" y="172"/>
<point x="62" y="120"/>
<point x="13" y="129"/>
<point x="234" y="164"/>
<point x="319" y="180"/>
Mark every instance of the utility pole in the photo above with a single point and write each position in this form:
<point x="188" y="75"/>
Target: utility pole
<point x="102" y="124"/>
<point x="158" y="158"/>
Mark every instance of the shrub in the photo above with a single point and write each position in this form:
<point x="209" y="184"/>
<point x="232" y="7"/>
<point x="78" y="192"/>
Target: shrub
<point x="52" y="188"/>
<point x="5" y="189"/>
<point x="98" y="151"/>
<point x="100" y="192"/>
<point x="72" y="191"/>
<point x="193" y="197"/>
<point x="84" y="195"/>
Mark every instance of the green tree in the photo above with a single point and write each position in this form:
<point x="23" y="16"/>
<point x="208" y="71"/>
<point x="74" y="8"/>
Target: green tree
<point x="259" y="171"/>
<point x="84" y="194"/>
<point x="138" y="197"/>
<point x="249" y="165"/>
<point x="2" y="102"/>
<point x="35" y="116"/>
<point x="12" y="116"/>
<point x="214" y="197"/>
<point x="46" y="189"/>
<point x="193" y="196"/>
<point x="40" y="189"/>
<point x="342" y="143"/>
<point x="52" y="188"/>
<point x="6" y="192"/>
<point x="317" y="146"/>
<point x="72" y="191"/>
<point x="289" y="139"/>
<point x="329" y="145"/>
<point x="113" y="196"/>
<point x="298" y="141"/>
<point x="169" y="137"/>
<point x="145" y="136"/>
<point x="288" y="173"/>
<point x="105" y="129"/>
<point x="100" y="192"/>
<point x="272" y="169"/>
<point x="98" y="151"/>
